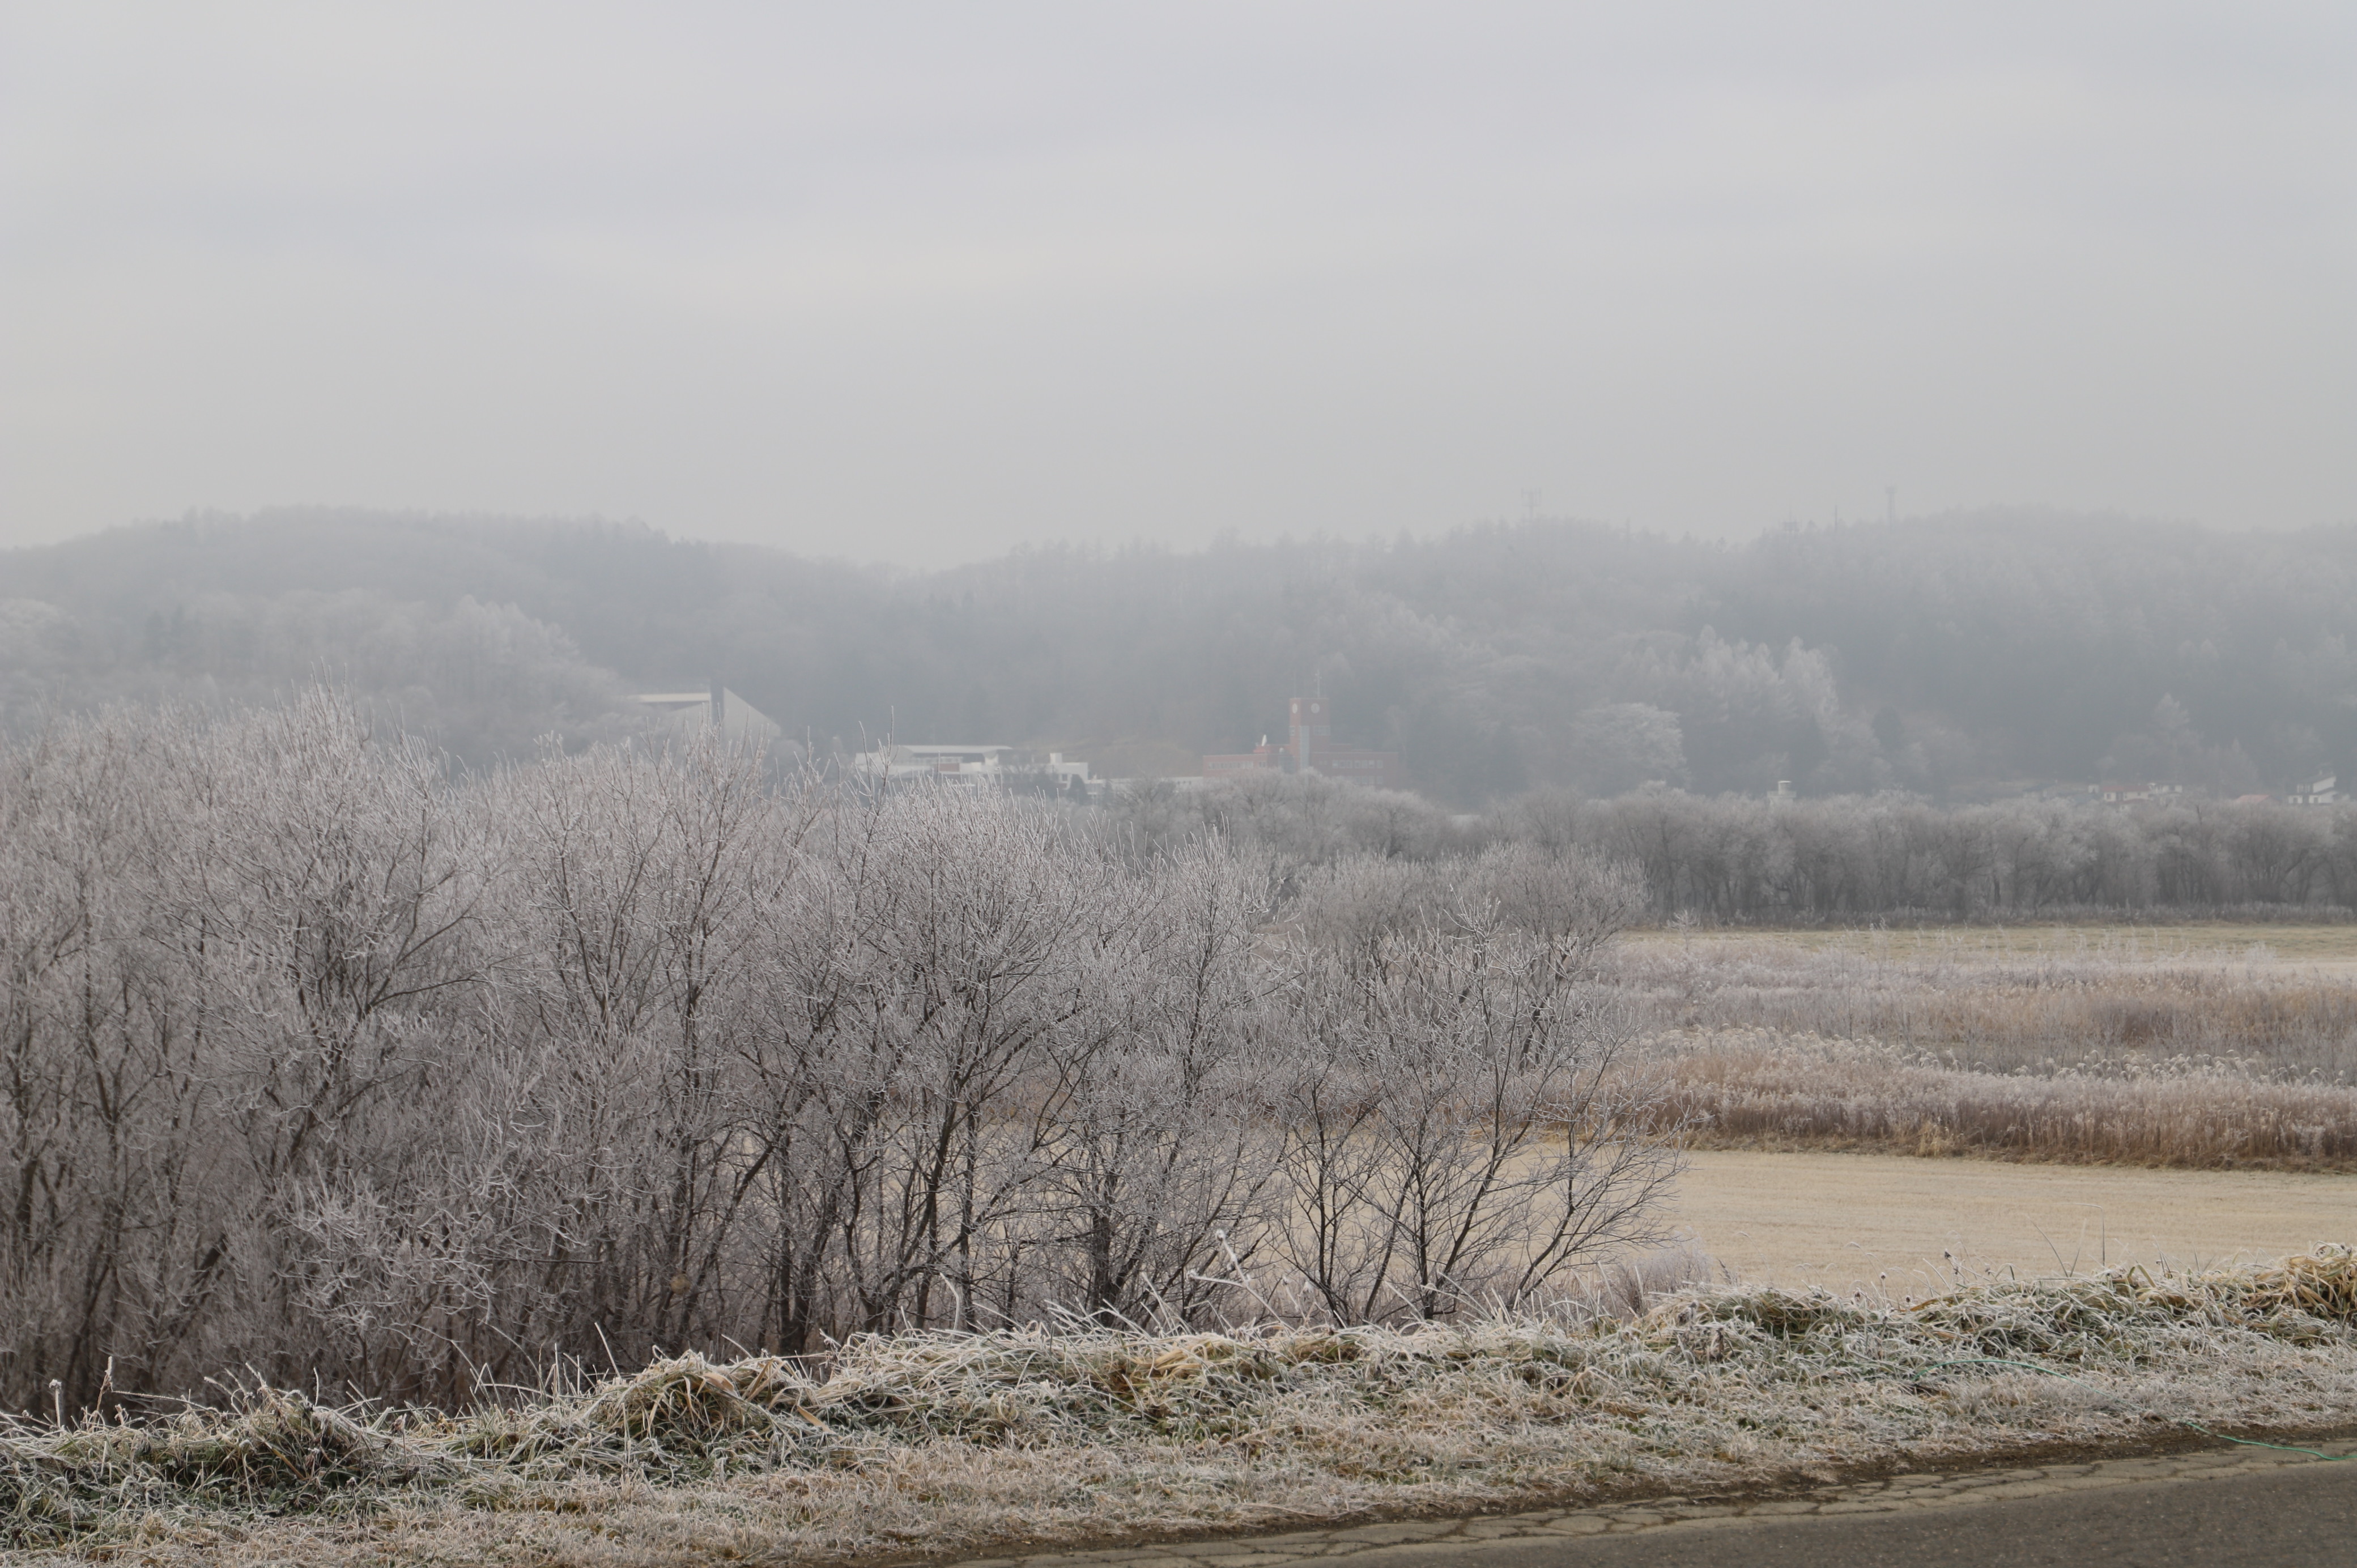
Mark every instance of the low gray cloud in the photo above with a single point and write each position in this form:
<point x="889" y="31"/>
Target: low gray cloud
<point x="921" y="282"/>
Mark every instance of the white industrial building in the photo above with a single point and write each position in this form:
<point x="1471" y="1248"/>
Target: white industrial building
<point x="976" y="764"/>
<point x="694" y="713"/>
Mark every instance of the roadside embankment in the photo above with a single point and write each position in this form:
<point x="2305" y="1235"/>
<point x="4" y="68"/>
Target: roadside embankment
<point x="945" y="1446"/>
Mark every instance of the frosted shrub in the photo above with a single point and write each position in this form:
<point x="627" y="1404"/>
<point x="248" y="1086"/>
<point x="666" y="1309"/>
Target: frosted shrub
<point x="1453" y="1129"/>
<point x="323" y="1060"/>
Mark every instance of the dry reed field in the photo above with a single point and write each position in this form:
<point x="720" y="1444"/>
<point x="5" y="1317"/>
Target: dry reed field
<point x="2306" y="943"/>
<point x="2205" y="1047"/>
<point x="940" y="1444"/>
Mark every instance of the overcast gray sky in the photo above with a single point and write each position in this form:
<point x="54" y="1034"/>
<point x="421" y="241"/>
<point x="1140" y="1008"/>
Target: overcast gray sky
<point x="921" y="282"/>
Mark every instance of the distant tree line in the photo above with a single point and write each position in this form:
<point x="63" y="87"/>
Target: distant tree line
<point x="483" y="679"/>
<point x="1868" y="858"/>
<point x="1952" y="658"/>
<point x="1848" y="858"/>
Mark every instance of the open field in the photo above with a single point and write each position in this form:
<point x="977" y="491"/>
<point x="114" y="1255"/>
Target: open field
<point x="2203" y="1046"/>
<point x="2275" y="1001"/>
<point x="1762" y="1089"/>
<point x="1842" y="1221"/>
<point x="2241" y="941"/>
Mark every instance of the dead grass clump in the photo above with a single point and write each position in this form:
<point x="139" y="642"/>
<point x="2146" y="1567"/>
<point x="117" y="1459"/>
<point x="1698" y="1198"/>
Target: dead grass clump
<point x="2129" y="1312"/>
<point x="2316" y="1286"/>
<point x="268" y="1449"/>
<point x="1777" y="1313"/>
<point x="272" y="1444"/>
<point x="673" y="1416"/>
<point x="38" y="1501"/>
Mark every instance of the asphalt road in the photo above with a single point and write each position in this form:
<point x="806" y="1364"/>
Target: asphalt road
<point x="2305" y="1516"/>
<point x="2213" y="1509"/>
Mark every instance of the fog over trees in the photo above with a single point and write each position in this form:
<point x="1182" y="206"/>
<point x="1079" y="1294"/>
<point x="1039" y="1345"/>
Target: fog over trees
<point x="1955" y="659"/>
<point x="1840" y="860"/>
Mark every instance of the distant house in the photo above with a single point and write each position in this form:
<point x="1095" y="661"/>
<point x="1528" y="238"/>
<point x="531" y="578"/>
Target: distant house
<point x="1262" y="757"/>
<point x="1309" y="748"/>
<point x="2323" y="792"/>
<point x="694" y="713"/>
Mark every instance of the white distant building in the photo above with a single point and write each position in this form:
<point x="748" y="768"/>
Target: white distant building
<point x="2123" y="794"/>
<point x="2324" y="792"/>
<point x="692" y="713"/>
<point x="976" y="764"/>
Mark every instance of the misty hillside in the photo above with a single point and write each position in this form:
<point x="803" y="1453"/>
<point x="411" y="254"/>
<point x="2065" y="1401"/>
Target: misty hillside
<point x="1955" y="659"/>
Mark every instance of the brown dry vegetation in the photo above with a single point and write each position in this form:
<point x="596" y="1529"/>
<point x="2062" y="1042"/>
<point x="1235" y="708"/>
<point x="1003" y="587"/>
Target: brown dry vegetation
<point x="1754" y="1089"/>
<point x="2001" y="1002"/>
<point x="953" y="1443"/>
<point x="2113" y="1048"/>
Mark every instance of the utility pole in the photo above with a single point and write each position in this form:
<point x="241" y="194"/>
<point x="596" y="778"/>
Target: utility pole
<point x="1890" y="501"/>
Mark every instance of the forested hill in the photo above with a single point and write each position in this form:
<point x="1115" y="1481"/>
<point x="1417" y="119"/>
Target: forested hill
<point x="1950" y="656"/>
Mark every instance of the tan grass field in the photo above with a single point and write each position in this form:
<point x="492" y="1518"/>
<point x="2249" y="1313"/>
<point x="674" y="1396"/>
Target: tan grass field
<point x="1880" y="1222"/>
<point x="2289" y="944"/>
<point x="2201" y="1045"/>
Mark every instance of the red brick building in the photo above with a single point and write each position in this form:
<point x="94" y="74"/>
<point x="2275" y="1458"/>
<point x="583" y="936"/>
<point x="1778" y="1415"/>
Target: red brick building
<point x="1309" y="748"/>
